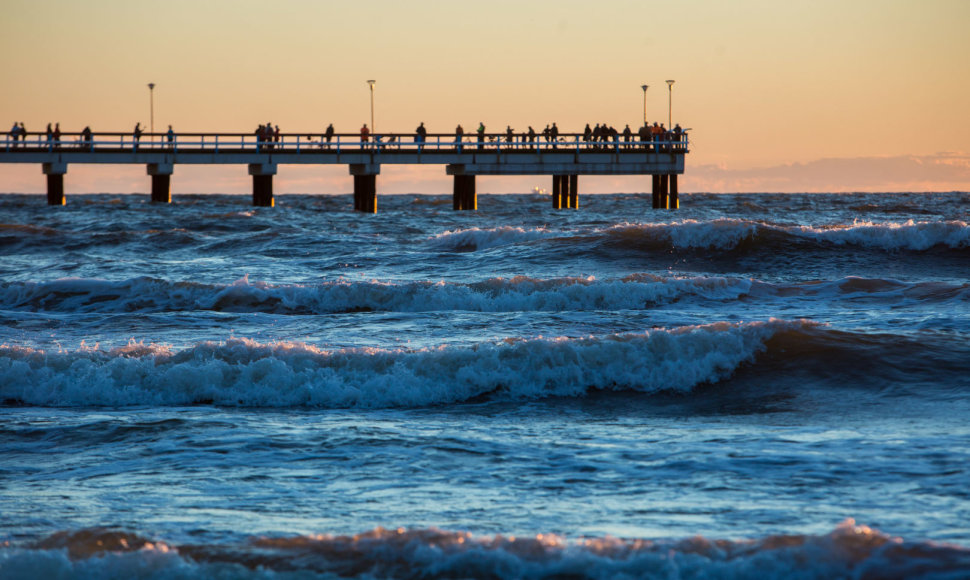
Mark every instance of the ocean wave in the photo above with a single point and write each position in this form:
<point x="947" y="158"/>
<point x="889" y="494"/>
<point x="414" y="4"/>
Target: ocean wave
<point x="472" y="239"/>
<point x="242" y="372"/>
<point x="516" y="294"/>
<point x="730" y="234"/>
<point x="849" y="551"/>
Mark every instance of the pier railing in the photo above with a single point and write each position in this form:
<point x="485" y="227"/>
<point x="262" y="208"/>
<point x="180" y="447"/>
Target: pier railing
<point x="299" y="143"/>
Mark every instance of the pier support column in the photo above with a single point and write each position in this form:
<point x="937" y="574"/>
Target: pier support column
<point x="465" y="197"/>
<point x="263" y="183"/>
<point x="655" y="179"/>
<point x="564" y="191"/>
<point x="161" y="181"/>
<point x="55" y="182"/>
<point x="365" y="186"/>
<point x="673" y="202"/>
<point x="664" y="184"/>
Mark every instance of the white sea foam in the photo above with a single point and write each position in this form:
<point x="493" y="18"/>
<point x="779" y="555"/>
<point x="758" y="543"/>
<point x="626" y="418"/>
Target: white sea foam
<point x="850" y="550"/>
<point x="485" y="238"/>
<point x="727" y="234"/>
<point x="247" y="373"/>
<point x="516" y="294"/>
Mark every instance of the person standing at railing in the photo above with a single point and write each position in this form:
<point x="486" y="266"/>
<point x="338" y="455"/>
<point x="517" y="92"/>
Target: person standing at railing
<point x="532" y="137"/>
<point x="627" y="135"/>
<point x="587" y="134"/>
<point x="276" y="134"/>
<point x="86" y="136"/>
<point x="509" y="134"/>
<point x="481" y="134"/>
<point x="57" y="134"/>
<point x="364" y="134"/>
<point x="644" y="134"/>
<point x="459" y="135"/>
<point x="170" y="137"/>
<point x="50" y="135"/>
<point x="137" y="135"/>
<point x="554" y="133"/>
<point x="15" y="134"/>
<point x="329" y="134"/>
<point x="420" y="136"/>
<point x="678" y="136"/>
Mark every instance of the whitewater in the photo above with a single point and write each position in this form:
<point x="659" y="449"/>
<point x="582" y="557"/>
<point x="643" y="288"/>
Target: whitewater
<point x="753" y="386"/>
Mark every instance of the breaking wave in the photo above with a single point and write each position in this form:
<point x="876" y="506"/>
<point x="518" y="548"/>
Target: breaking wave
<point x="849" y="551"/>
<point x="242" y="372"/>
<point x="517" y="294"/>
<point x="730" y="234"/>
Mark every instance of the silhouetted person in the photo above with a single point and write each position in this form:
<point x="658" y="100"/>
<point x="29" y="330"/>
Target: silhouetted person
<point x="50" y="134"/>
<point x="532" y="135"/>
<point x="420" y="135"/>
<point x="554" y="134"/>
<point x="137" y="134"/>
<point x="170" y="136"/>
<point x="57" y="134"/>
<point x="481" y="134"/>
<point x="509" y="135"/>
<point x="15" y="134"/>
<point x="329" y="134"/>
<point x="459" y="135"/>
<point x="627" y="135"/>
<point x="86" y="136"/>
<point x="23" y="133"/>
<point x="364" y="134"/>
<point x="587" y="134"/>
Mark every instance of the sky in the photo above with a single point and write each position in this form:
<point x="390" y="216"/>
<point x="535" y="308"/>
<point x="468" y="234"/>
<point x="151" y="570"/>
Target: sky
<point x="793" y="96"/>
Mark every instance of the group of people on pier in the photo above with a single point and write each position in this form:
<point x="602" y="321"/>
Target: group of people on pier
<point x="654" y="137"/>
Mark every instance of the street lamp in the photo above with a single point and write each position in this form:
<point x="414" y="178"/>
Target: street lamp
<point x="644" y="87"/>
<point x="371" y="83"/>
<point x="670" y="103"/>
<point x="151" y="106"/>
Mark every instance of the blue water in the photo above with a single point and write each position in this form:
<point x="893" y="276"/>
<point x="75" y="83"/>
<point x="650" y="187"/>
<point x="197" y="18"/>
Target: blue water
<point x="751" y="386"/>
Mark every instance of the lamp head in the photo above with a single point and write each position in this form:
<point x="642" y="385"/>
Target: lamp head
<point x="371" y="83"/>
<point x="151" y="86"/>
<point x="670" y="84"/>
<point x="644" y="87"/>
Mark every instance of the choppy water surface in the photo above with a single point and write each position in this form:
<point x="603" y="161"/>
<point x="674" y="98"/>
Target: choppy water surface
<point x="752" y="386"/>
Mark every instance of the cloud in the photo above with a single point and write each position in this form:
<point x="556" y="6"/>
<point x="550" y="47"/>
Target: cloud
<point x="940" y="172"/>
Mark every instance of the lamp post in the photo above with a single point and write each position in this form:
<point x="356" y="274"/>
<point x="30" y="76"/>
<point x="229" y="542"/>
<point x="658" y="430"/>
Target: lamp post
<point x="670" y="103"/>
<point x="371" y="83"/>
<point x="644" y="87"/>
<point x="151" y="106"/>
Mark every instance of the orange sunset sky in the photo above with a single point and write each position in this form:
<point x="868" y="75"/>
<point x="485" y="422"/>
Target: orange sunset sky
<point x="864" y="95"/>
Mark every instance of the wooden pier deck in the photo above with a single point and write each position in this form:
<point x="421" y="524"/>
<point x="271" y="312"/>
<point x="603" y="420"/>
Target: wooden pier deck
<point x="565" y="159"/>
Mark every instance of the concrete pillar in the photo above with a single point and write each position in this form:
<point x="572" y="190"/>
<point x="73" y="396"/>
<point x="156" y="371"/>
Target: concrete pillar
<point x="55" y="182"/>
<point x="673" y="202"/>
<point x="465" y="197"/>
<point x="574" y="191"/>
<point x="558" y="199"/>
<point x="655" y="179"/>
<point x="365" y="193"/>
<point x="365" y="186"/>
<point x="161" y="174"/>
<point x="263" y="183"/>
<point x="664" y="184"/>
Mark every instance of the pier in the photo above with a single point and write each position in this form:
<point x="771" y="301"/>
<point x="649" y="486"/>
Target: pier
<point x="565" y="158"/>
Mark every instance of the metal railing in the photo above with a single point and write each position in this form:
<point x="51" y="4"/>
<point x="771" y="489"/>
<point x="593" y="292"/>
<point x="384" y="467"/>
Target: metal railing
<point x="300" y="143"/>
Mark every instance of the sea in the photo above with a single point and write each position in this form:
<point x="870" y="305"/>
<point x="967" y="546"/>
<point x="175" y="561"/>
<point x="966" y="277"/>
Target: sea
<point x="752" y="386"/>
